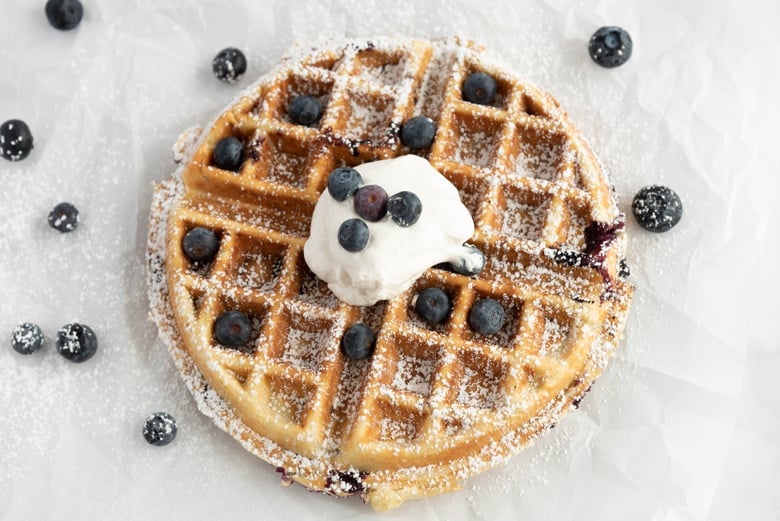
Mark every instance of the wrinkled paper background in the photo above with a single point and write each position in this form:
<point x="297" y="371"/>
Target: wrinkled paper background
<point x="666" y="434"/>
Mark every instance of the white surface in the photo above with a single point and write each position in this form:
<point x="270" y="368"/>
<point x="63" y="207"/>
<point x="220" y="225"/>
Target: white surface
<point x="682" y="425"/>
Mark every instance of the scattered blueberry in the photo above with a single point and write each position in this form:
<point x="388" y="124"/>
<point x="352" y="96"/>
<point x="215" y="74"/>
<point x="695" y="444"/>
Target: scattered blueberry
<point x="358" y="342"/>
<point x="229" y="154"/>
<point x="657" y="208"/>
<point x="433" y="305"/>
<point x="27" y="338"/>
<point x="343" y="182"/>
<point x="371" y="202"/>
<point x="64" y="218"/>
<point x="610" y="46"/>
<point x="16" y="140"/>
<point x="353" y="235"/>
<point x="404" y="208"/>
<point x="418" y="132"/>
<point x="479" y="88"/>
<point x="200" y="244"/>
<point x="64" y="14"/>
<point x="487" y="316"/>
<point x="464" y="267"/>
<point x="232" y="329"/>
<point x="160" y="429"/>
<point x="305" y="110"/>
<point x="76" y="342"/>
<point x="229" y="64"/>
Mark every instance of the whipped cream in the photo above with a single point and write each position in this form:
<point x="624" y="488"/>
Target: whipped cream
<point x="394" y="256"/>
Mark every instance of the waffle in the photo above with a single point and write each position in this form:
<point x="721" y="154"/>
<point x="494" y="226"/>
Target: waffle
<point x="433" y="405"/>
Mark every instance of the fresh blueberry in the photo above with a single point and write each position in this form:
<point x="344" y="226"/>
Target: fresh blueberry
<point x="418" y="132"/>
<point x="305" y="110"/>
<point x="371" y="202"/>
<point x="358" y="342"/>
<point x="64" y="218"/>
<point x="433" y="305"/>
<point x="657" y="208"/>
<point x="404" y="208"/>
<point x="479" y="88"/>
<point x="487" y="316"/>
<point x="472" y="262"/>
<point x="229" y="154"/>
<point x="200" y="244"/>
<point x="76" y="342"/>
<point x="353" y="235"/>
<point x="343" y="182"/>
<point x="64" y="14"/>
<point x="229" y="64"/>
<point x="232" y="329"/>
<point x="160" y="429"/>
<point x="610" y="46"/>
<point x="16" y="140"/>
<point x="27" y="338"/>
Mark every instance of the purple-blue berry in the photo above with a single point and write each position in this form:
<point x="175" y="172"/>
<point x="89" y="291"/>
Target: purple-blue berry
<point x="229" y="64"/>
<point x="200" y="244"/>
<point x="64" y="14"/>
<point x="305" y="110"/>
<point x="433" y="305"/>
<point x="343" y="182"/>
<point x="418" y="132"/>
<point x="160" y="429"/>
<point x="76" y="342"/>
<point x="479" y="88"/>
<point x="486" y="316"/>
<point x="371" y="202"/>
<point x="16" y="140"/>
<point x="358" y="342"/>
<point x="610" y="46"/>
<point x="353" y="235"/>
<point x="229" y="154"/>
<point x="657" y="208"/>
<point x="64" y="218"/>
<point x="232" y="329"/>
<point x="27" y="338"/>
<point x="404" y="208"/>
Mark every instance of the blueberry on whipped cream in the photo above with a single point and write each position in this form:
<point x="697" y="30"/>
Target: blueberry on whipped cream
<point x="64" y="14"/>
<point x="371" y="202"/>
<point x="344" y="182"/>
<point x="365" y="261"/>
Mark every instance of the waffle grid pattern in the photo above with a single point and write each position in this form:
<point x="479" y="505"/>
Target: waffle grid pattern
<point x="429" y="393"/>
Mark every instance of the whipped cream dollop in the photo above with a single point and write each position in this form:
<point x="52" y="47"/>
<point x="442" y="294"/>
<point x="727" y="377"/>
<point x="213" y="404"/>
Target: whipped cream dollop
<point x="394" y="256"/>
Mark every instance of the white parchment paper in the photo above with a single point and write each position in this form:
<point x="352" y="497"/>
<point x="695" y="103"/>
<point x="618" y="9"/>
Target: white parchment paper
<point x="106" y="102"/>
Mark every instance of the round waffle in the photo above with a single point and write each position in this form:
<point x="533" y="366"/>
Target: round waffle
<point x="433" y="405"/>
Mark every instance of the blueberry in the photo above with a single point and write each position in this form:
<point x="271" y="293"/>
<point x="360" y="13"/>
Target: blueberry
<point x="232" y="329"/>
<point x="343" y="182"/>
<point x="404" y="208"/>
<point x="229" y="64"/>
<point x="200" y="244"/>
<point x="358" y="342"/>
<point x="487" y="316"/>
<point x="479" y="88"/>
<point x="305" y="110"/>
<point x="229" y="154"/>
<point x="472" y="262"/>
<point x="610" y="46"/>
<point x="418" y="132"/>
<point x="657" y="208"/>
<point x="371" y="202"/>
<point x="64" y="218"/>
<point x="27" y="338"/>
<point x="64" y="14"/>
<point x="160" y="429"/>
<point x="433" y="305"/>
<point x="16" y="140"/>
<point x="353" y="235"/>
<point x="76" y="342"/>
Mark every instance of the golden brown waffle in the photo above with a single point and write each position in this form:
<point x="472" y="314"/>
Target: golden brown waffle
<point x="434" y="404"/>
